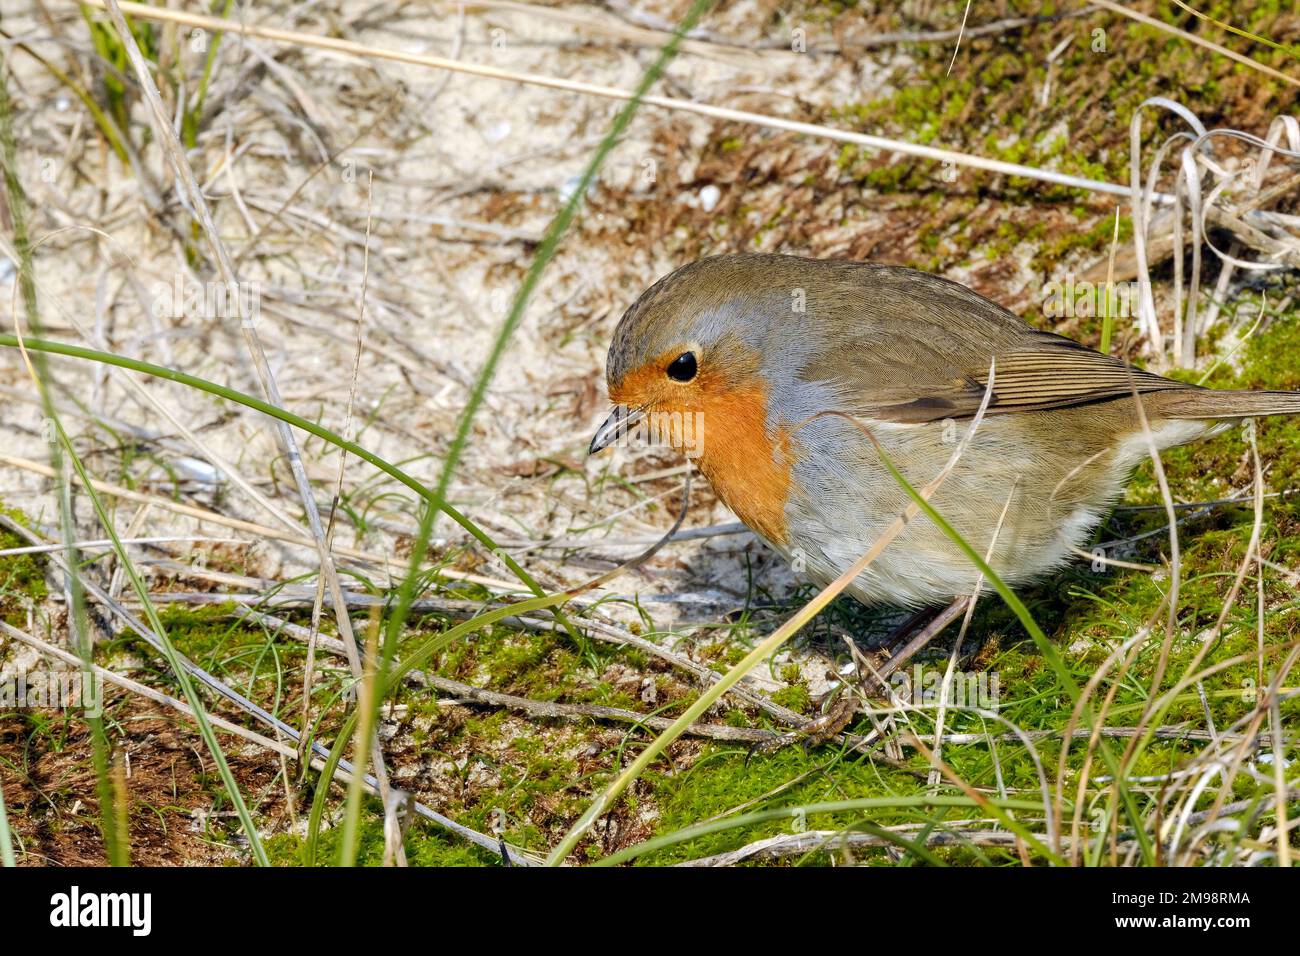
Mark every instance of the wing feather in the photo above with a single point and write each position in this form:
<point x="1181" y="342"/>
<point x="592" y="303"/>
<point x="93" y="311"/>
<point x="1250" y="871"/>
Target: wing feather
<point x="922" y="348"/>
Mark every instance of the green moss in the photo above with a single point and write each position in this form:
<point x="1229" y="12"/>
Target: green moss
<point x="528" y="664"/>
<point x="1054" y="248"/>
<point x="796" y="698"/>
<point x="22" y="576"/>
<point x="426" y="845"/>
<point x="988" y="102"/>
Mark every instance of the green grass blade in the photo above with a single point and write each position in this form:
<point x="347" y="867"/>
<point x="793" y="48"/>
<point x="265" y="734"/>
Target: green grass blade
<point x="194" y="114"/>
<point x="6" y="839"/>
<point x="323" y="782"/>
<point x="1291" y="50"/>
<point x="1108" y="303"/>
<point x="115" y="843"/>
<point x="102" y="120"/>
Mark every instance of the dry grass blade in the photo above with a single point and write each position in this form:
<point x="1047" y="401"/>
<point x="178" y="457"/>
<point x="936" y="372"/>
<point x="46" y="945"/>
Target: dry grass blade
<point x="810" y="841"/>
<point x="960" y="31"/>
<point x="1175" y="553"/>
<point x="309" y="667"/>
<point x="1199" y="167"/>
<point x="196" y="202"/>
<point x="951" y="669"/>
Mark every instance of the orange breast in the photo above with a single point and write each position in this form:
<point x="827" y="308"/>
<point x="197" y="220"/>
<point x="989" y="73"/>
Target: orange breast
<point x="748" y="469"/>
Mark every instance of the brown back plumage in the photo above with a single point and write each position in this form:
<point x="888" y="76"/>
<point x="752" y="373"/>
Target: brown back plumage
<point x="903" y="345"/>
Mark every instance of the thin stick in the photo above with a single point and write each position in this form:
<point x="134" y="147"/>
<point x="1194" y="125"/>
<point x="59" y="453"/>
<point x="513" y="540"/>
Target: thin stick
<point x="923" y="637"/>
<point x="239" y="524"/>
<point x="809" y="841"/>
<point x="535" y="708"/>
<point x="104" y="542"/>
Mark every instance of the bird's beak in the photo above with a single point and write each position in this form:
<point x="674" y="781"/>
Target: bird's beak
<point x="614" y="427"/>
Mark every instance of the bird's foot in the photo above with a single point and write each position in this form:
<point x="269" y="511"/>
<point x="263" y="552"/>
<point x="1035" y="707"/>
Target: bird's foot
<point x="815" y="732"/>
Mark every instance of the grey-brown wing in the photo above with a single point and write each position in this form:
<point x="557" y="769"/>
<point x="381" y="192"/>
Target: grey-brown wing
<point x="923" y="349"/>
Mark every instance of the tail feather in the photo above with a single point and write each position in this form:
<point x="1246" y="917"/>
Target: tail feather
<point x="1213" y="403"/>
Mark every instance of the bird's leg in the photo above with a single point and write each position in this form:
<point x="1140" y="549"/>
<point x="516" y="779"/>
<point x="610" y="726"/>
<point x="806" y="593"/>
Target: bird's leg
<point x="900" y="633"/>
<point x="921" y="637"/>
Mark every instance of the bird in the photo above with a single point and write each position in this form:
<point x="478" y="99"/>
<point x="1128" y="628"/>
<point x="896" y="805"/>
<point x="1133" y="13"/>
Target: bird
<point x="785" y="378"/>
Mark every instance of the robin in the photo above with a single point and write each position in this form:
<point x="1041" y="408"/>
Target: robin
<point x="768" y="370"/>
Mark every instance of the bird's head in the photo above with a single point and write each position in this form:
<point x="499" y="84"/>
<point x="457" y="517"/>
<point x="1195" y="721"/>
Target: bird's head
<point x="694" y="364"/>
<point x="689" y="346"/>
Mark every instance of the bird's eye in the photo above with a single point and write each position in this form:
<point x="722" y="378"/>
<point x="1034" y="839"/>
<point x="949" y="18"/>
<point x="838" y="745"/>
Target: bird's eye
<point x="682" y="368"/>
